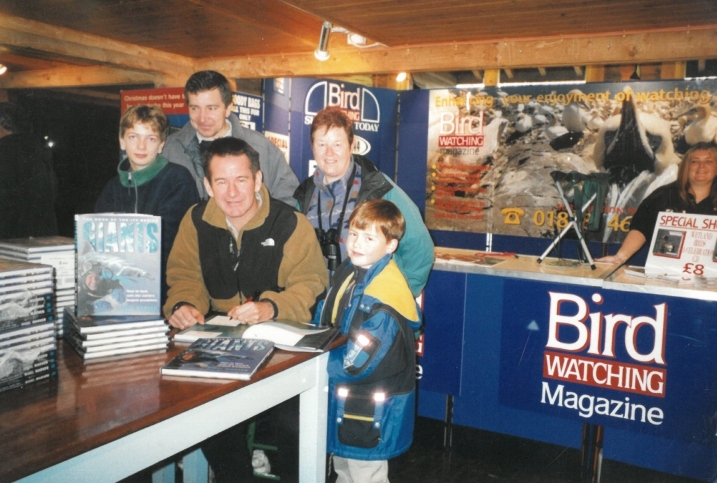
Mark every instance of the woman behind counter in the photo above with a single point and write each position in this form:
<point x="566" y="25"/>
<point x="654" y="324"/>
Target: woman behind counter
<point x="695" y="191"/>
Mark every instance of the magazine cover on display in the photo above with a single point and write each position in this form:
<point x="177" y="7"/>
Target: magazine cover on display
<point x="491" y="151"/>
<point x="118" y="264"/>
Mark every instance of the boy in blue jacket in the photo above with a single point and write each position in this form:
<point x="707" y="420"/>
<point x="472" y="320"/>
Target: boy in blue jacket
<point x="372" y="379"/>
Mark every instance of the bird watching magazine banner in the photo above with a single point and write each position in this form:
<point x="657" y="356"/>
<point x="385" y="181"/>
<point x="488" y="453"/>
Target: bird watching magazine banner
<point x="491" y="152"/>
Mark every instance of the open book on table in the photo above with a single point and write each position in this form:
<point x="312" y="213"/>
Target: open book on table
<point x="292" y="336"/>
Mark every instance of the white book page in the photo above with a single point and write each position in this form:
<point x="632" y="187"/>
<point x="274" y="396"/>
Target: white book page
<point x="224" y="320"/>
<point x="277" y="332"/>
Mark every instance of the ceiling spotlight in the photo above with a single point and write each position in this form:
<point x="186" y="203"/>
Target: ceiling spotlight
<point x="322" y="51"/>
<point x="401" y="77"/>
<point x="355" y="39"/>
<point x="3" y="69"/>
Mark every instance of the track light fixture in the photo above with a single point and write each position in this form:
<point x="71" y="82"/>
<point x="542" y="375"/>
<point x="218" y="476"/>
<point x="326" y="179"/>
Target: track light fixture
<point x="322" y="51"/>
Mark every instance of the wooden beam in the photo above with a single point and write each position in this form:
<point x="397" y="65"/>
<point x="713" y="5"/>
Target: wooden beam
<point x="36" y="36"/>
<point x="594" y="73"/>
<point x="286" y="24"/>
<point x="446" y="77"/>
<point x="491" y="77"/>
<point x="673" y="70"/>
<point x="73" y="77"/>
<point x="626" y="72"/>
<point x="101" y="95"/>
<point x="628" y="48"/>
<point x="389" y="81"/>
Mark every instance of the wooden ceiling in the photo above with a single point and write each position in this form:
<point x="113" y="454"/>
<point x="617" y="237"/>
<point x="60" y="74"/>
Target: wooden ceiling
<point x="80" y="43"/>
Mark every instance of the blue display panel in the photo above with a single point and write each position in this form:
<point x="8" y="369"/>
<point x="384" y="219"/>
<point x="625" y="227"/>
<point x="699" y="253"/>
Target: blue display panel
<point x="638" y="362"/>
<point x="444" y="299"/>
<point x="478" y="405"/>
<point x="539" y="359"/>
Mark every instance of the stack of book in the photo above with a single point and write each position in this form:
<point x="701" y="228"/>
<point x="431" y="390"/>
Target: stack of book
<point x="118" y="287"/>
<point x="27" y="326"/>
<point x="97" y="336"/>
<point x="56" y="251"/>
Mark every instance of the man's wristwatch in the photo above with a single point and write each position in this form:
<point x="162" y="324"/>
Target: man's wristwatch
<point x="179" y="304"/>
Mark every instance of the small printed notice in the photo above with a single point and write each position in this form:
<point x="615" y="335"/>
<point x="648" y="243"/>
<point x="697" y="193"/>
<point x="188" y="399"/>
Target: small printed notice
<point x="683" y="248"/>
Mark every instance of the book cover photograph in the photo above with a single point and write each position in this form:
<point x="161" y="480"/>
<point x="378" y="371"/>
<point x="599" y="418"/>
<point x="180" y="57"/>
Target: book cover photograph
<point x="220" y="359"/>
<point x="118" y="264"/>
<point x="25" y="308"/>
<point x="27" y="363"/>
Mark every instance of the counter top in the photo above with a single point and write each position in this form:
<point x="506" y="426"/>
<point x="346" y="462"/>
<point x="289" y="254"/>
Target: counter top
<point x="607" y="276"/>
<point x="521" y="266"/>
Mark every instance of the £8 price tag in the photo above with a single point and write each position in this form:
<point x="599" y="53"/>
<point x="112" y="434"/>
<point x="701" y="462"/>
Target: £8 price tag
<point x="695" y="269"/>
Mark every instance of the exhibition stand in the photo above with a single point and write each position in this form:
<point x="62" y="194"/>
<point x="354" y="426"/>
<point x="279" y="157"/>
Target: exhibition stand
<point x="540" y="350"/>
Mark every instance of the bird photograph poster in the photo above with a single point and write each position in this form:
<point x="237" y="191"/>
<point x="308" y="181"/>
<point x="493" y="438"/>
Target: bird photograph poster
<point x="498" y="158"/>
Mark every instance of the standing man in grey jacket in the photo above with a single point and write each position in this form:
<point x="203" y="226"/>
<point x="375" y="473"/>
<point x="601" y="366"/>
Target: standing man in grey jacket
<point x="209" y="99"/>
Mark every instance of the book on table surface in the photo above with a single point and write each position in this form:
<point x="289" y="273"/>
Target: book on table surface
<point x="292" y="336"/>
<point x="34" y="346"/>
<point x="10" y="325"/>
<point x="25" y="303"/>
<point x="112" y="351"/>
<point x="42" y="287"/>
<point x="112" y="334"/>
<point x="45" y="331"/>
<point x="89" y="324"/>
<point x="18" y="363"/>
<point x="95" y="345"/>
<point x="118" y="264"/>
<point x="10" y="269"/>
<point x="132" y="344"/>
<point x="25" y="280"/>
<point x="38" y="244"/>
<point x="18" y="380"/>
<point x="62" y="259"/>
<point x="220" y="358"/>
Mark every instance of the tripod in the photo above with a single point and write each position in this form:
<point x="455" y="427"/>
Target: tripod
<point x="592" y="185"/>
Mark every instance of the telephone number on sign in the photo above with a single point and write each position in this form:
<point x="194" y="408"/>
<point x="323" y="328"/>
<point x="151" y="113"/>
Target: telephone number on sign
<point x="560" y="219"/>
